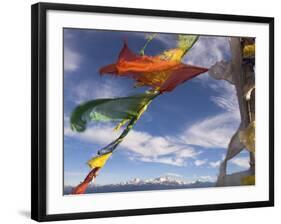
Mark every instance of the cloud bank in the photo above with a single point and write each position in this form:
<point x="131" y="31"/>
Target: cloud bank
<point x="141" y="145"/>
<point x="72" y="60"/>
<point x="242" y="162"/>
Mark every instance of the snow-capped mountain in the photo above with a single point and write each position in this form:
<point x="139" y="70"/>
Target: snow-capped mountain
<point x="166" y="179"/>
<point x="159" y="183"/>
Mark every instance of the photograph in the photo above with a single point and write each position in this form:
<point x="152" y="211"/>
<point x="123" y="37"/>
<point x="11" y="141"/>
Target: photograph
<point x="147" y="111"/>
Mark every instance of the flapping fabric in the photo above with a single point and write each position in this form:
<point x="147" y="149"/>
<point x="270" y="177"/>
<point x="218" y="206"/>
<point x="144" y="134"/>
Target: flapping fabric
<point x="115" y="109"/>
<point x="185" y="42"/>
<point x="181" y="75"/>
<point x="248" y="180"/>
<point x="249" y="50"/>
<point x="82" y="187"/>
<point x="99" y="161"/>
<point x="163" y="72"/>
<point x="247" y="137"/>
<point x="129" y="62"/>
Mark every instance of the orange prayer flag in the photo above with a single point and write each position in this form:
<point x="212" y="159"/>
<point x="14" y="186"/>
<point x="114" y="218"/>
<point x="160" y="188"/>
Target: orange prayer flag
<point x="160" y="72"/>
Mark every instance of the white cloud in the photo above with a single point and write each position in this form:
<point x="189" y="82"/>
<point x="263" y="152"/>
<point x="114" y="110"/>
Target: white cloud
<point x="207" y="178"/>
<point x="226" y="98"/>
<point x="141" y="145"/>
<point x="215" y="164"/>
<point x="85" y="91"/>
<point x="160" y="149"/>
<point x="72" y="59"/>
<point x="242" y="162"/>
<point x="199" y="162"/>
<point x="212" y="132"/>
<point x="164" y="160"/>
<point x="207" y="51"/>
<point x="215" y="131"/>
<point x="172" y="174"/>
<point x="99" y="134"/>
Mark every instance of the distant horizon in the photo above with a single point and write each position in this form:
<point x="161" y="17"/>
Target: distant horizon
<point x="207" y="179"/>
<point x="159" y="183"/>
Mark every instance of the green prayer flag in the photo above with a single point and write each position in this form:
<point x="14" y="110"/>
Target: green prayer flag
<point x="111" y="109"/>
<point x="185" y="42"/>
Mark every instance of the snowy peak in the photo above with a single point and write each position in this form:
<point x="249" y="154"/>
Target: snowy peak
<point x="167" y="179"/>
<point x="135" y="181"/>
<point x="171" y="179"/>
<point x="160" y="183"/>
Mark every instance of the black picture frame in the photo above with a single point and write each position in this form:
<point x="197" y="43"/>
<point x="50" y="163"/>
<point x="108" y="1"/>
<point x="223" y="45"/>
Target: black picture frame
<point x="39" y="122"/>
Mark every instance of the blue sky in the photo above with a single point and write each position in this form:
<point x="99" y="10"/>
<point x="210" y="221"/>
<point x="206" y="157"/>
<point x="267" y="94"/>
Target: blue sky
<point x="184" y="132"/>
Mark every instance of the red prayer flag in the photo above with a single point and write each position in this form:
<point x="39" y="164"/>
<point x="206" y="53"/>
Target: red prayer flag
<point x="81" y="188"/>
<point x="155" y="71"/>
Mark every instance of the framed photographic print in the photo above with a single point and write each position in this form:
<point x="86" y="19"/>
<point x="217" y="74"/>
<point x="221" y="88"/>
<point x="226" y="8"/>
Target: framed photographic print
<point x="138" y="111"/>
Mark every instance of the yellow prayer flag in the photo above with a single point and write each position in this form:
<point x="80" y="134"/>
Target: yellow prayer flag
<point x="248" y="180"/>
<point x="249" y="50"/>
<point x="99" y="161"/>
<point x="175" y="54"/>
<point x="247" y="137"/>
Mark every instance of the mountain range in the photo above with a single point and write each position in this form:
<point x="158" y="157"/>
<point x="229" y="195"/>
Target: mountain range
<point x="160" y="183"/>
